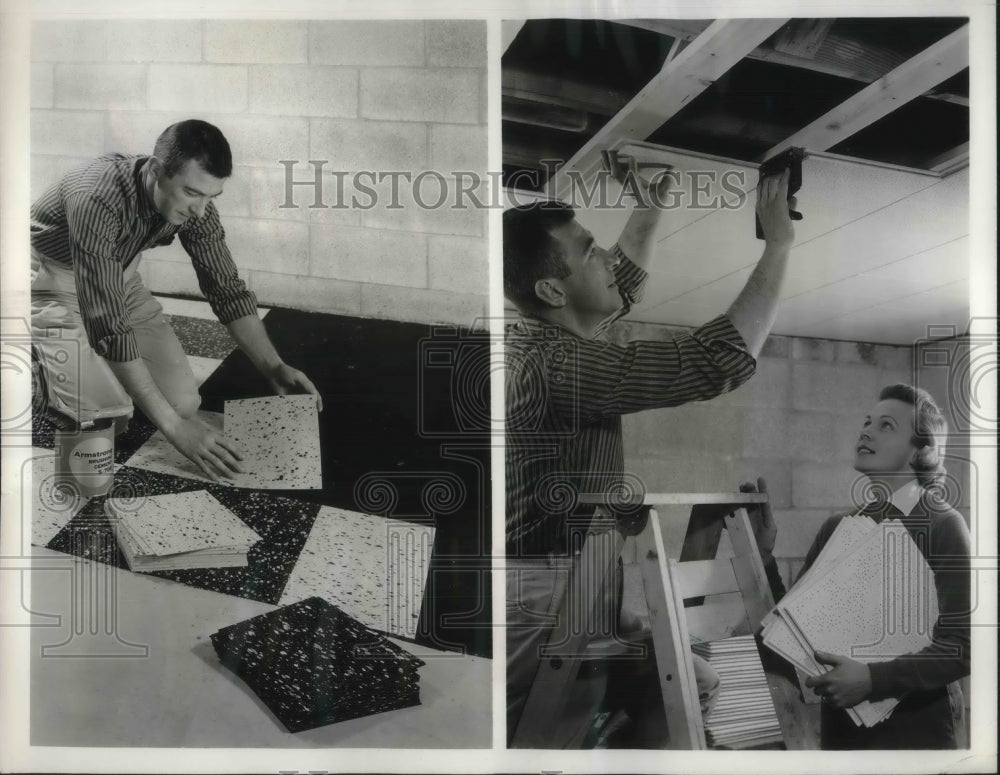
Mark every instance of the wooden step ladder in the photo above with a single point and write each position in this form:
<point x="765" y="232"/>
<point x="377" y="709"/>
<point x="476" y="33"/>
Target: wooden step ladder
<point x="697" y="577"/>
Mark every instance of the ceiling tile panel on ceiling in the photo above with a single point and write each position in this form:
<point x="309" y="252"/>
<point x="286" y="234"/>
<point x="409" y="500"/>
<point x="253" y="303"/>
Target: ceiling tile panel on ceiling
<point x="835" y="300"/>
<point x="903" y="322"/>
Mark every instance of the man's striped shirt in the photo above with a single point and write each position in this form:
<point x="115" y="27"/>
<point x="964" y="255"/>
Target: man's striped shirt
<point x="565" y="396"/>
<point x="97" y="219"/>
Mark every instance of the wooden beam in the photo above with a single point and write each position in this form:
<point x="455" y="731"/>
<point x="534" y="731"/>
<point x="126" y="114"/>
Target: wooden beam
<point x="508" y="31"/>
<point x="950" y="161"/>
<point x="723" y="44"/>
<point x="907" y="82"/>
<point x="562" y="92"/>
<point x="684" y="30"/>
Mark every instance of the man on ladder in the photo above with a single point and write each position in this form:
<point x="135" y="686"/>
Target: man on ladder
<point x="566" y="391"/>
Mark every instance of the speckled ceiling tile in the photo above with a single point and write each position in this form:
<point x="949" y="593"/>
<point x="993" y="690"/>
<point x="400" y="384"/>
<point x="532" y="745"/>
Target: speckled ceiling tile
<point x="373" y="568"/>
<point x="312" y="665"/>
<point x="279" y="436"/>
<point x="282" y="523"/>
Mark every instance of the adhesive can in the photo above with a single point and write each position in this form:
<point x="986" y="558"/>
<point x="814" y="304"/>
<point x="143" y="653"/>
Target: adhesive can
<point x="85" y="457"/>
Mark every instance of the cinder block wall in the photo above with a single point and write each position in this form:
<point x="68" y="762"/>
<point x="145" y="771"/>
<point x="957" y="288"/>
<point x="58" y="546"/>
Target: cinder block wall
<point x="383" y="96"/>
<point x="795" y="423"/>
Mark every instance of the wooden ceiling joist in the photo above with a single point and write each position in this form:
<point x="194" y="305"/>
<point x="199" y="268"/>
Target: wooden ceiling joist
<point x="724" y="43"/>
<point x="911" y="79"/>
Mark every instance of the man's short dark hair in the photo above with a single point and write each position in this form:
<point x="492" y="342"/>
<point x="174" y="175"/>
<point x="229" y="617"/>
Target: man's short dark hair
<point x="930" y="429"/>
<point x="198" y="140"/>
<point x="530" y="252"/>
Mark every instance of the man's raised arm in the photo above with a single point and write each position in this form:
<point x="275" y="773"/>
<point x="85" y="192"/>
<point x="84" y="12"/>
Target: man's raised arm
<point x="755" y="309"/>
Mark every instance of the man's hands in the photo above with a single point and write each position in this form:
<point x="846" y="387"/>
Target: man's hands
<point x="283" y="380"/>
<point x="208" y="449"/>
<point x="849" y="682"/>
<point x="772" y="209"/>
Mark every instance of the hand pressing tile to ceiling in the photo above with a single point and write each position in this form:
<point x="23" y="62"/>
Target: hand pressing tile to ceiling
<point x="312" y="664"/>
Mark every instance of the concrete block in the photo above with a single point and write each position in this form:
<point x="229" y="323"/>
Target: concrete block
<point x="67" y="133"/>
<point x="268" y="196"/>
<point x="449" y="96"/>
<point x="391" y="302"/>
<point x="825" y="486"/>
<point x="832" y="387"/>
<point x="847" y="429"/>
<point x="301" y="90"/>
<point x="371" y="43"/>
<point x="381" y="147"/>
<point x="419" y="210"/>
<point x="456" y="43"/>
<point x="680" y="470"/>
<point x="316" y="294"/>
<point x="42" y="85"/>
<point x="100" y="87"/>
<point x="160" y="40"/>
<point x="256" y="42"/>
<point x="262" y="141"/>
<point x="790" y="435"/>
<point x="171" y="277"/>
<point x="857" y="352"/>
<point x="896" y="358"/>
<point x="458" y="264"/>
<point x="67" y="41"/>
<point x="281" y="247"/>
<point x="769" y="387"/>
<point x="198" y="88"/>
<point x="137" y="132"/>
<point x="797" y="528"/>
<point x="458" y="148"/>
<point x="47" y="170"/>
<point x="235" y="198"/>
<point x="776" y="473"/>
<point x="367" y="256"/>
<point x="804" y="349"/>
<point x="693" y="428"/>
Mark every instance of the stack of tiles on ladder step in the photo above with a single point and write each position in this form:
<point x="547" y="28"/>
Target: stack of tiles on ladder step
<point x="313" y="665"/>
<point x="743" y="715"/>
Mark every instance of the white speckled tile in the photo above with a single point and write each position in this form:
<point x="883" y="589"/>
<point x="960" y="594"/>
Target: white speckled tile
<point x="51" y="507"/>
<point x="181" y="522"/>
<point x="279" y="436"/>
<point x="373" y="568"/>
<point x="160" y="456"/>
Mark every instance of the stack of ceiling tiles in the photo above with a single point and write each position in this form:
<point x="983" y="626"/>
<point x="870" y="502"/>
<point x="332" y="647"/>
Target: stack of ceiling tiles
<point x="869" y="596"/>
<point x="311" y="664"/>
<point x="743" y="715"/>
<point x="179" y="531"/>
